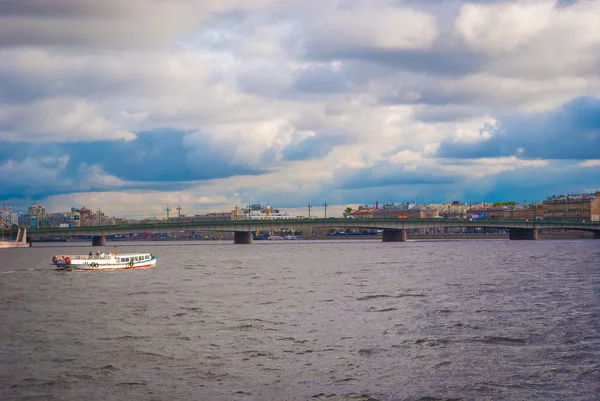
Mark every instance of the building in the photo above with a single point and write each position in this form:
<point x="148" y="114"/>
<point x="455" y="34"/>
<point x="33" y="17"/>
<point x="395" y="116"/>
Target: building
<point x="35" y="214"/>
<point x="363" y="212"/>
<point x="7" y="215"/>
<point x="577" y="207"/>
<point x="454" y="210"/>
<point x="421" y="211"/>
<point x="504" y="212"/>
<point x="215" y="216"/>
<point x="527" y="212"/>
<point x="36" y="209"/>
<point x="257" y="212"/>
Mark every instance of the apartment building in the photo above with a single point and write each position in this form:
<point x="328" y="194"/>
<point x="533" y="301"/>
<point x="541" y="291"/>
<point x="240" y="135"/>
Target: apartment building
<point x="576" y="207"/>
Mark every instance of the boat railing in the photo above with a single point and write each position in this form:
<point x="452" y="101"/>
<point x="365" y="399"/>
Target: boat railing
<point x="92" y="257"/>
<point x="108" y="256"/>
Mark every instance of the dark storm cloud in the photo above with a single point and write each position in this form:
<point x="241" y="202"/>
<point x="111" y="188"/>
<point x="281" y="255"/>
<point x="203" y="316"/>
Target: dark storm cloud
<point x="159" y="155"/>
<point x="85" y="24"/>
<point x="448" y="113"/>
<point x="77" y="183"/>
<point x="158" y="160"/>
<point x="528" y="184"/>
<point x="314" y="147"/>
<point x="570" y="132"/>
<point x="439" y="60"/>
<point x="386" y="174"/>
<point x="534" y="183"/>
<point x="566" y="3"/>
<point x="51" y="8"/>
<point x="430" y="94"/>
<point x="323" y="80"/>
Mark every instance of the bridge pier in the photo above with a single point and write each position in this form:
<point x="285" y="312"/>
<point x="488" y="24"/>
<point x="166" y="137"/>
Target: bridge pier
<point x="98" y="240"/>
<point x="394" y="236"/>
<point x="240" y="237"/>
<point x="522" y="234"/>
<point x="596" y="234"/>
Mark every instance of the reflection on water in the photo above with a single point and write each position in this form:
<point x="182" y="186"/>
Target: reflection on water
<point x="331" y="320"/>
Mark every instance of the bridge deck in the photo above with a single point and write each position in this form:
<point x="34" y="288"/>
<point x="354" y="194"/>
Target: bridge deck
<point x="309" y="224"/>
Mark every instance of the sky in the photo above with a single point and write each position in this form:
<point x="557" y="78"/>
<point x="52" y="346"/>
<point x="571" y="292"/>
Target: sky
<point x="134" y="106"/>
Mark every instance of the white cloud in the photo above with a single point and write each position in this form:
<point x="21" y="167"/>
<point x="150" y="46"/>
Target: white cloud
<point x="229" y="73"/>
<point x="536" y="39"/>
<point x="590" y="163"/>
<point x="505" y="27"/>
<point x="379" y="28"/>
<point x="108" y="23"/>
<point x="33" y="172"/>
<point x="60" y="119"/>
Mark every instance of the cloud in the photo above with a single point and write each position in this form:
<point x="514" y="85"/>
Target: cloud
<point x="388" y="174"/>
<point x="107" y="24"/>
<point x="156" y="159"/>
<point x="536" y="183"/>
<point x="539" y="39"/>
<point x="570" y="132"/>
<point x="314" y="146"/>
<point x="511" y="26"/>
<point x="370" y="26"/>
<point x="209" y="104"/>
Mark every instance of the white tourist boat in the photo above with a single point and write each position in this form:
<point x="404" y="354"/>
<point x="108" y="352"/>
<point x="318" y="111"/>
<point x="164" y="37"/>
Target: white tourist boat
<point x="110" y="261"/>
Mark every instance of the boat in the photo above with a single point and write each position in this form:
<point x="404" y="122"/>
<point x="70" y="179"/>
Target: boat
<point x="110" y="261"/>
<point x="293" y="237"/>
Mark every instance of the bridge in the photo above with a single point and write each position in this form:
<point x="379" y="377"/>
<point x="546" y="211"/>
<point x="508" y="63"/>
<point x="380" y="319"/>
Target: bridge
<point x="394" y="230"/>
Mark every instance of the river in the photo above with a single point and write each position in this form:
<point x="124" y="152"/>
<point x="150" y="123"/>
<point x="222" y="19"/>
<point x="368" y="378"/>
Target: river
<point x="331" y="320"/>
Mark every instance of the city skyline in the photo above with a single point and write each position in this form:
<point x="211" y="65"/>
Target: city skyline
<point x="169" y="213"/>
<point x="212" y="106"/>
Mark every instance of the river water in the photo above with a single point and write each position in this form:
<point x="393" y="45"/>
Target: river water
<point x="334" y="320"/>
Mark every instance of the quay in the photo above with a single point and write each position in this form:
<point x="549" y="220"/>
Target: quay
<point x="21" y="240"/>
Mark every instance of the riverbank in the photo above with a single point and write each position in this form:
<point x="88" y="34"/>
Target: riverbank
<point x="14" y="244"/>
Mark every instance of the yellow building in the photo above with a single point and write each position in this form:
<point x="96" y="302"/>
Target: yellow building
<point x="577" y="207"/>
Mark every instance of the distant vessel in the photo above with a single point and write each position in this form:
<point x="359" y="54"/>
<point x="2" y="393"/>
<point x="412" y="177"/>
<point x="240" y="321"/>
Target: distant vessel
<point x="20" y="242"/>
<point x="111" y="261"/>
